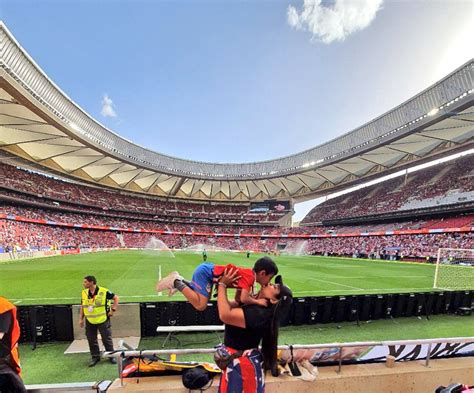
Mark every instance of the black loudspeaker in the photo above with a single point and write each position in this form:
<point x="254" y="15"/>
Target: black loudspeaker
<point x="300" y="311"/>
<point x="210" y="316"/>
<point x="429" y="303"/>
<point x="467" y="299"/>
<point x="313" y="311"/>
<point x="439" y="302"/>
<point x="379" y="307"/>
<point x="419" y="305"/>
<point x="170" y="313"/>
<point x="448" y="296"/>
<point x="352" y="309"/>
<point x="339" y="309"/>
<point x="40" y="324"/>
<point x="365" y="305"/>
<point x="388" y="306"/>
<point x="399" y="306"/>
<point x="189" y="314"/>
<point x="149" y="317"/>
<point x="327" y="313"/>
<point x="63" y="323"/>
<point x="23" y="316"/>
<point x="410" y="304"/>
<point x="457" y="299"/>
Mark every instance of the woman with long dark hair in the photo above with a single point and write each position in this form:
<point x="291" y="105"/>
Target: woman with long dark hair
<point x="246" y="328"/>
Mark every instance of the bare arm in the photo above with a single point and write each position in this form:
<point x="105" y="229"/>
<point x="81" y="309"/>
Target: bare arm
<point x="227" y="314"/>
<point x="113" y="308"/>
<point x="116" y="302"/>
<point x="246" y="298"/>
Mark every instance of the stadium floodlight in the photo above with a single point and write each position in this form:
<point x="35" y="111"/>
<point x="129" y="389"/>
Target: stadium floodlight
<point x="454" y="269"/>
<point x="433" y="112"/>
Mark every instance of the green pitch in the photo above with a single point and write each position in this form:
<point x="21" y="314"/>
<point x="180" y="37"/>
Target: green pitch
<point x="132" y="275"/>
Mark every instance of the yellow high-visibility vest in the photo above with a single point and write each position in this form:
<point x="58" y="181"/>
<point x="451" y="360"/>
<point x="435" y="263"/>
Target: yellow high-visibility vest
<point x="95" y="308"/>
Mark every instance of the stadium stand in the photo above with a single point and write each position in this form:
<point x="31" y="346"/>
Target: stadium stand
<point x="444" y="184"/>
<point x="23" y="184"/>
<point x="40" y="212"/>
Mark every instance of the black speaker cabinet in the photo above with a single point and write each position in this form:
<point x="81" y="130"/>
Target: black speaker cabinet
<point x="467" y="299"/>
<point x="40" y="324"/>
<point x="210" y="316"/>
<point x="439" y="301"/>
<point x="389" y="304"/>
<point x="150" y="318"/>
<point x="419" y="306"/>
<point x="448" y="297"/>
<point x="352" y="308"/>
<point x="327" y="313"/>
<point x="339" y="309"/>
<point x="399" y="305"/>
<point x="365" y="307"/>
<point x="410" y="304"/>
<point x="380" y="307"/>
<point x="63" y="323"/>
<point x="300" y="311"/>
<point x="170" y="313"/>
<point x="313" y="311"/>
<point x="430" y="298"/>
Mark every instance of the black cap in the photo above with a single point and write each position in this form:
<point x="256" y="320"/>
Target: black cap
<point x="285" y="298"/>
<point x="195" y="378"/>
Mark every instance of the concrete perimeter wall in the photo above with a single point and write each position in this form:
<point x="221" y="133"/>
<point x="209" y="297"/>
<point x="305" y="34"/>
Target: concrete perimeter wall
<point x="406" y="377"/>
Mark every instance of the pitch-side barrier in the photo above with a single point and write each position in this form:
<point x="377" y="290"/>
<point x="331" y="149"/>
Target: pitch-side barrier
<point x="337" y="353"/>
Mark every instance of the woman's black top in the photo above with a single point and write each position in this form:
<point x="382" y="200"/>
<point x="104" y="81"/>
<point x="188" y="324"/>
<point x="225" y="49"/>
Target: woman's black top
<point x="257" y="319"/>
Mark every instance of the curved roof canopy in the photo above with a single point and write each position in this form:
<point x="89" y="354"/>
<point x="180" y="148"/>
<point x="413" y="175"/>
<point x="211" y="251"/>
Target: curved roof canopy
<point x="40" y="123"/>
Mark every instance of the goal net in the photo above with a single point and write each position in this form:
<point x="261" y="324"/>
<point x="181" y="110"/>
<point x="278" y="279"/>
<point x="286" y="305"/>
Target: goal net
<point x="454" y="269"/>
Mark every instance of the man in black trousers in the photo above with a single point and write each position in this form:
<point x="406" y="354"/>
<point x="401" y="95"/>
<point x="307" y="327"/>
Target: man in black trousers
<point x="97" y="311"/>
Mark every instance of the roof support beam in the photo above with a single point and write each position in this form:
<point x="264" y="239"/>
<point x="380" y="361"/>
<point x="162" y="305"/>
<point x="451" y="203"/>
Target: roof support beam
<point x="177" y="186"/>
<point x="401" y="151"/>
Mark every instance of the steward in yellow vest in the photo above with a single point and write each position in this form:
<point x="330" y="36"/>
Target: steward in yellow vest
<point x="96" y="310"/>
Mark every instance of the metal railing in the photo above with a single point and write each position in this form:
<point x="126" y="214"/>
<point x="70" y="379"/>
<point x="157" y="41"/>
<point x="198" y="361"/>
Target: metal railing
<point x="128" y="351"/>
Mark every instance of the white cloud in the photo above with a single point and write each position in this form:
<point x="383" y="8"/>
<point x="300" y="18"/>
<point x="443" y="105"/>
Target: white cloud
<point x="334" y="21"/>
<point x="108" y="107"/>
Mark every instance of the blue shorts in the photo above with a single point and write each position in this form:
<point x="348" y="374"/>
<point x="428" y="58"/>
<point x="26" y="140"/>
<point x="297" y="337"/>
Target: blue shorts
<point x="202" y="279"/>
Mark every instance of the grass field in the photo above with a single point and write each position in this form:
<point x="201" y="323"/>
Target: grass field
<point x="133" y="274"/>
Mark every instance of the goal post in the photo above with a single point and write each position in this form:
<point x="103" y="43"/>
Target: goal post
<point x="454" y="269"/>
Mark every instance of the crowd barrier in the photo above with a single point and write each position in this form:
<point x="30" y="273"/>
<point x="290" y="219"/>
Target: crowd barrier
<point x="46" y="323"/>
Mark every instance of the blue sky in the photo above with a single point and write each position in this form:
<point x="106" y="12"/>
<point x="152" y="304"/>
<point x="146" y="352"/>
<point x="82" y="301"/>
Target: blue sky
<point x="235" y="81"/>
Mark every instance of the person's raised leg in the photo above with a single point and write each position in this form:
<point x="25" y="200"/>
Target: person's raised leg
<point x="198" y="301"/>
<point x="199" y="289"/>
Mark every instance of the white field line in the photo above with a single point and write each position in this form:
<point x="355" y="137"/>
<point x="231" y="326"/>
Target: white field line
<point x="336" y="283"/>
<point x="354" y="260"/>
<point x="76" y="298"/>
<point x="366" y="289"/>
<point x="365" y="277"/>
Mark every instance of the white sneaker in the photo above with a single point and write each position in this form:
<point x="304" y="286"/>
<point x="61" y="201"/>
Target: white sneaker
<point x="172" y="291"/>
<point x="167" y="282"/>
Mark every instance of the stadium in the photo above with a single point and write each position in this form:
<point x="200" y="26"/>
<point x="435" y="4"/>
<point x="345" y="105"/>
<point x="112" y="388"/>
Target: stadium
<point x="388" y="256"/>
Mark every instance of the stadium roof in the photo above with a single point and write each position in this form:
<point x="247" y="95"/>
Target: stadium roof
<point x="40" y="123"/>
